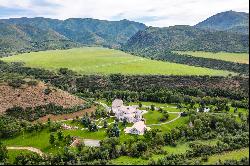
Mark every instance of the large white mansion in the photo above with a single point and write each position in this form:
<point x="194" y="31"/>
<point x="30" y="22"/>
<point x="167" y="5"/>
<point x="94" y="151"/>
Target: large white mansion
<point x="132" y="115"/>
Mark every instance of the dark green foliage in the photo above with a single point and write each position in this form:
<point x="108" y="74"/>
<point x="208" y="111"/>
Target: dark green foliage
<point x="52" y="139"/>
<point x="26" y="38"/>
<point x="105" y="124"/>
<point x="3" y="153"/>
<point x="169" y="56"/>
<point x="92" y="127"/>
<point x="243" y="161"/>
<point x="32" y="114"/>
<point x="113" y="131"/>
<point x="29" y="159"/>
<point x="36" y="34"/>
<point x="60" y="135"/>
<point x="47" y="91"/>
<point x="86" y="121"/>
<point x="16" y="83"/>
<point x="231" y="21"/>
<point x="186" y="38"/>
<point x="32" y="83"/>
<point x="139" y="85"/>
<point x="9" y="127"/>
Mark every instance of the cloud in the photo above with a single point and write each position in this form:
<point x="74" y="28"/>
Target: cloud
<point x="151" y="12"/>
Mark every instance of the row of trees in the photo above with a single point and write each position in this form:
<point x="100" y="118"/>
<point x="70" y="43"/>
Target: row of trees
<point x="231" y="87"/>
<point x="32" y="114"/>
<point x="231" y="133"/>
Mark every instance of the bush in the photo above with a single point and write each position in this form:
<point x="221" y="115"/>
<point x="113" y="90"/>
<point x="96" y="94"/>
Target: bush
<point x="47" y="91"/>
<point x="16" y="83"/>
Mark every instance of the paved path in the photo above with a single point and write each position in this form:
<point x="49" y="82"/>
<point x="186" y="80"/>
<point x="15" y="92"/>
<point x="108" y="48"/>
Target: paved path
<point x="92" y="143"/>
<point x="32" y="149"/>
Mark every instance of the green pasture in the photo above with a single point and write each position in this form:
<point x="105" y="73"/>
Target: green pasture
<point x="225" y="56"/>
<point x="95" y="60"/>
<point x="12" y="154"/>
<point x="153" y="117"/>
<point x="235" y="155"/>
<point x="178" y="149"/>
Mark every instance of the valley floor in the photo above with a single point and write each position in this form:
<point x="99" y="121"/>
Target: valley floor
<point x="94" y="60"/>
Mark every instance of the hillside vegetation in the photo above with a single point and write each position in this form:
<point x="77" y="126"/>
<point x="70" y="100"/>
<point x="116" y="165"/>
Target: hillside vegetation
<point x="19" y="38"/>
<point x="225" y="56"/>
<point x="31" y="34"/>
<point x="35" y="95"/>
<point x="237" y="22"/>
<point x="187" y="38"/>
<point x="92" y="60"/>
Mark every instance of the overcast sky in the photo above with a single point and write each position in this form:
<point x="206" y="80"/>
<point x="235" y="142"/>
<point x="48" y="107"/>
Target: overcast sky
<point x="151" y="12"/>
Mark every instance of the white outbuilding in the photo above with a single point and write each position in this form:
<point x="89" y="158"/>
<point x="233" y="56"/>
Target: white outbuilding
<point x="138" y="128"/>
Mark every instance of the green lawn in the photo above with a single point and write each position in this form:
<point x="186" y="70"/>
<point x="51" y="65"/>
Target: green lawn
<point x="153" y="117"/>
<point x="38" y="140"/>
<point x="12" y="154"/>
<point x="179" y="149"/>
<point x="168" y="107"/>
<point x="236" y="155"/>
<point x="167" y="127"/>
<point x="95" y="60"/>
<point x="126" y="160"/>
<point x="225" y="56"/>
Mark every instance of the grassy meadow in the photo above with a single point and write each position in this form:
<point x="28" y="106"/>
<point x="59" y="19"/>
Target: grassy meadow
<point x="225" y="56"/>
<point x="12" y="154"/>
<point x="95" y="60"/>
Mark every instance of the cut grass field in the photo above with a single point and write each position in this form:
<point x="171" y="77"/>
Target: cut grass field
<point x="225" y="56"/>
<point x="95" y="60"/>
<point x="233" y="155"/>
<point x="153" y="117"/>
<point x="12" y="154"/>
<point x="180" y="148"/>
<point x="38" y="140"/>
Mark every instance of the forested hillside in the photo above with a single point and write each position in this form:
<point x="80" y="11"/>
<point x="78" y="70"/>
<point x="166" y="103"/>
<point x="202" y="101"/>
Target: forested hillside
<point x="231" y="21"/>
<point x="25" y="38"/>
<point x="187" y="38"/>
<point x="22" y="34"/>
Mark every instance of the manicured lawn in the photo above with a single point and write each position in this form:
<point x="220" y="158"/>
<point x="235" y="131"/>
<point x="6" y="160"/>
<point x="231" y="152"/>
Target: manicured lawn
<point x="99" y="135"/>
<point x="166" y="106"/>
<point x="38" y="140"/>
<point x="126" y="160"/>
<point x="12" y="154"/>
<point x="179" y="149"/>
<point x="232" y="57"/>
<point x="236" y="155"/>
<point x="167" y="127"/>
<point x="95" y="60"/>
<point x="153" y="117"/>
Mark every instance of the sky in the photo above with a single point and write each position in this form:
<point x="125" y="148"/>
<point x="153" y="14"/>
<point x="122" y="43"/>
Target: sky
<point x="159" y="13"/>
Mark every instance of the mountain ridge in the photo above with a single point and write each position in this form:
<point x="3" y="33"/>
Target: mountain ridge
<point x="232" y="21"/>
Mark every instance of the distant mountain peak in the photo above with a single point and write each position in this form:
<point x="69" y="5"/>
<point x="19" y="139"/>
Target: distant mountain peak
<point x="231" y="21"/>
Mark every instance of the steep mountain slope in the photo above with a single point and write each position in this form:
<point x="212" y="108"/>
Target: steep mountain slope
<point x="86" y="31"/>
<point x="227" y="21"/>
<point x="24" y="38"/>
<point x="12" y="38"/>
<point x="33" y="96"/>
<point x="186" y="38"/>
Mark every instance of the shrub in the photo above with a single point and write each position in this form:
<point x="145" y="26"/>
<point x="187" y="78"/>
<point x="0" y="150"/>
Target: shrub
<point x="16" y="83"/>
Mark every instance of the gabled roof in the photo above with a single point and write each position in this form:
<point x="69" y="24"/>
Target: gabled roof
<point x="117" y="103"/>
<point x="140" y="126"/>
